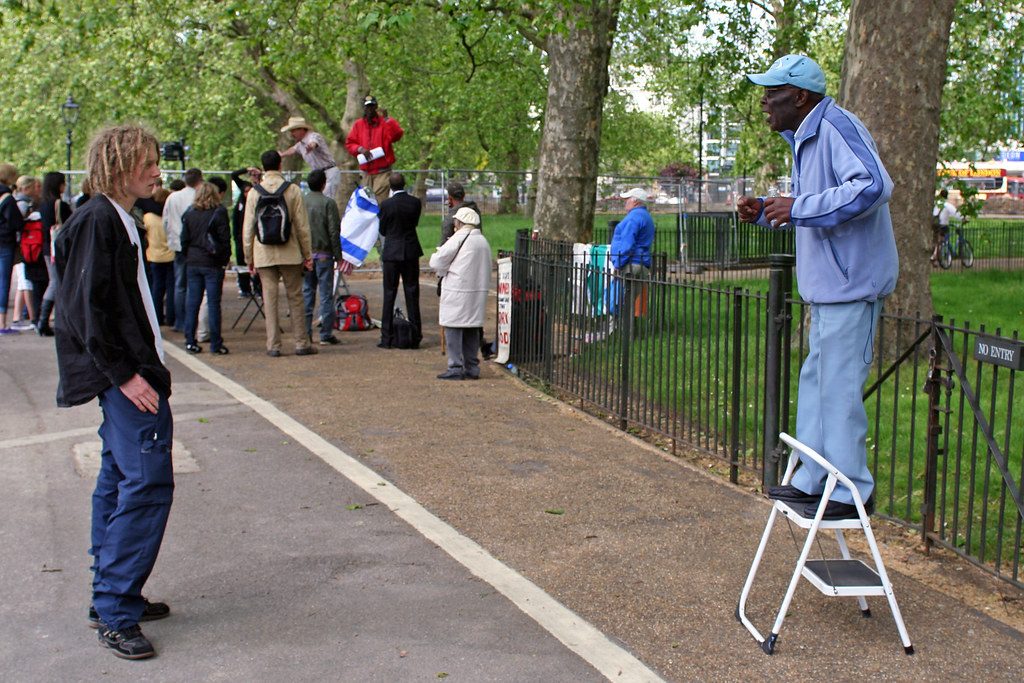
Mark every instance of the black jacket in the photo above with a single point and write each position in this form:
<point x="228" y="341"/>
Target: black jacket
<point x="399" y="216"/>
<point x="103" y="334"/>
<point x="11" y="219"/>
<point x="195" y="223"/>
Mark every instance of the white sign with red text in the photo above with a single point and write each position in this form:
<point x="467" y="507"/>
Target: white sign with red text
<point x="504" y="309"/>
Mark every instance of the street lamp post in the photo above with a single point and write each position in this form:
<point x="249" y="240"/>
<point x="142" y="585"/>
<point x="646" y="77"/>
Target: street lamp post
<point x="69" y="112"/>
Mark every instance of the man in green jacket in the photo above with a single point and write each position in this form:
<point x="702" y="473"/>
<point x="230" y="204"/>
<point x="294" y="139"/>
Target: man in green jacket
<point x="324" y="224"/>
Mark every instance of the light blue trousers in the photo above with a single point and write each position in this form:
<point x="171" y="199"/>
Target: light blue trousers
<point x="830" y="415"/>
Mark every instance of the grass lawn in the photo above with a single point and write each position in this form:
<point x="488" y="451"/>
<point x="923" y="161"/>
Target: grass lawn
<point x="991" y="298"/>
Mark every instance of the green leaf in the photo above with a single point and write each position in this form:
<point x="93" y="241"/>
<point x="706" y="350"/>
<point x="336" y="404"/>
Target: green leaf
<point x="555" y="512"/>
<point x="354" y="507"/>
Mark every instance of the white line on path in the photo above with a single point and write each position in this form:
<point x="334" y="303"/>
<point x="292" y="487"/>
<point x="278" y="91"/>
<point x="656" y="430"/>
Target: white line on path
<point x="48" y="437"/>
<point x="575" y="633"/>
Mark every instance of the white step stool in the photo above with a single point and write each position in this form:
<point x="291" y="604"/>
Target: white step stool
<point x="839" y="577"/>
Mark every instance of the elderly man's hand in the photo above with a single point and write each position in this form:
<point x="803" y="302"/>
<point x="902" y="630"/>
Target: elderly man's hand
<point x="776" y="210"/>
<point x="749" y="208"/>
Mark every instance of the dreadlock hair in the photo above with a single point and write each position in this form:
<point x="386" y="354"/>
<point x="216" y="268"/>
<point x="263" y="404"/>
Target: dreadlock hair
<point x="115" y="153"/>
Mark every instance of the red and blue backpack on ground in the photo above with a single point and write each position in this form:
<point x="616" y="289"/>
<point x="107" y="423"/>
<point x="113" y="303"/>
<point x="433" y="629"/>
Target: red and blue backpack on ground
<point x="353" y="313"/>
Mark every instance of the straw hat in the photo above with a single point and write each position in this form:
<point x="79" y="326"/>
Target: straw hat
<point x="295" y="122"/>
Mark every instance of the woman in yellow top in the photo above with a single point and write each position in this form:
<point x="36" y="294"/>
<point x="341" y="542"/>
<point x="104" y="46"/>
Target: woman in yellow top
<point x="161" y="260"/>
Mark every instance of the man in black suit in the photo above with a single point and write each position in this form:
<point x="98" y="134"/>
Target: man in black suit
<point x="399" y="216"/>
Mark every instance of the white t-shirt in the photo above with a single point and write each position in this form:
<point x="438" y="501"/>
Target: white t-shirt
<point x="147" y="297"/>
<point x="945" y="213"/>
<point x="174" y="208"/>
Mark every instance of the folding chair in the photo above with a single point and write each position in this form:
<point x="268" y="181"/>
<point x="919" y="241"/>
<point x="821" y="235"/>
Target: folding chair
<point x="253" y="299"/>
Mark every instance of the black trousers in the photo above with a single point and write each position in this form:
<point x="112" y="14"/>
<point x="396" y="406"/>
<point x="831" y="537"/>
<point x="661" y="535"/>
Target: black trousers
<point x="409" y="272"/>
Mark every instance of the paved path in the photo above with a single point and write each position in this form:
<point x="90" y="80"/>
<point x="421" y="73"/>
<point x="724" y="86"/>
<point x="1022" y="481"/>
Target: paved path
<point x="287" y="559"/>
<point x="284" y="559"/>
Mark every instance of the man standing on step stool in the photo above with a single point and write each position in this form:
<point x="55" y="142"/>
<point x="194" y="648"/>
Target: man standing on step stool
<point x="846" y="264"/>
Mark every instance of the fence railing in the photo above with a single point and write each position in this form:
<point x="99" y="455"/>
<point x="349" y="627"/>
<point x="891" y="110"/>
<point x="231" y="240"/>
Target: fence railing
<point x="994" y="244"/>
<point x="714" y="370"/>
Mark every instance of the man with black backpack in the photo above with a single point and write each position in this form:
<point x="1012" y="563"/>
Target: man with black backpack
<point x="276" y="240"/>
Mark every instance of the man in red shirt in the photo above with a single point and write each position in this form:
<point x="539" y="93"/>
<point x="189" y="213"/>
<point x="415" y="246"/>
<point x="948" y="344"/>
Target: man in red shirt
<point x="370" y="141"/>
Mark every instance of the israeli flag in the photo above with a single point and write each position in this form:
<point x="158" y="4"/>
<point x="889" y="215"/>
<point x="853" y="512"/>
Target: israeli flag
<point x="359" y="226"/>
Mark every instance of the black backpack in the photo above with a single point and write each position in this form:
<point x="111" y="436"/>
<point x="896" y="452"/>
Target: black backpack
<point x="273" y="225"/>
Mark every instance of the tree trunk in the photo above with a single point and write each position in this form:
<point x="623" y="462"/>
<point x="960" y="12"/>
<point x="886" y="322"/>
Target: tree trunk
<point x="894" y="69"/>
<point x="569" y="144"/>
<point x="357" y="86"/>
<point x="509" y="203"/>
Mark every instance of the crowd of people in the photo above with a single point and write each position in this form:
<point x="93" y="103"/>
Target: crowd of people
<point x="190" y="232"/>
<point x="134" y="260"/>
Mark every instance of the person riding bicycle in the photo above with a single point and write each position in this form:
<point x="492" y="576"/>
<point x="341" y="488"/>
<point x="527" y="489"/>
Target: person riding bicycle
<point x="941" y="215"/>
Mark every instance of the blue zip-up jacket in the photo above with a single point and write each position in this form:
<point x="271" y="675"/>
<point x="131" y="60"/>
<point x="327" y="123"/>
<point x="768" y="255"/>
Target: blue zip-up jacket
<point x="633" y="237"/>
<point x="845" y="248"/>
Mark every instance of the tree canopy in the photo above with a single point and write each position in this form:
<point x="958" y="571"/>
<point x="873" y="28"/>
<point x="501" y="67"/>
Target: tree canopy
<point x="467" y="80"/>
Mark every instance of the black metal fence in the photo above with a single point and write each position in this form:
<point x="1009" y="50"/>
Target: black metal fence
<point x="991" y="244"/>
<point x="714" y="240"/>
<point x="721" y="242"/>
<point x="714" y="370"/>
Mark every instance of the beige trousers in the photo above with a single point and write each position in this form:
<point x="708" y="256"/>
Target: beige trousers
<point x="292" y="276"/>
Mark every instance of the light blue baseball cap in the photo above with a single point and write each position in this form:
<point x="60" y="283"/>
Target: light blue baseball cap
<point x="797" y="70"/>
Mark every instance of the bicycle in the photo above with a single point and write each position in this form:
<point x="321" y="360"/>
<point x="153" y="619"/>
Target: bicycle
<point x="955" y="245"/>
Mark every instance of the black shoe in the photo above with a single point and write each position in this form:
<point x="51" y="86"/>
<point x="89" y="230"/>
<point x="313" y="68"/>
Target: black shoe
<point x="452" y="374"/>
<point x="193" y="348"/>
<point x="835" y="510"/>
<point x="792" y="495"/>
<point x="308" y="351"/>
<point x="45" y="331"/>
<point x="274" y="353"/>
<point x="128" y="643"/>
<point x="222" y="351"/>
<point x="382" y="345"/>
<point x="151" y="612"/>
<point x="485" y="350"/>
<point x="330" y="341"/>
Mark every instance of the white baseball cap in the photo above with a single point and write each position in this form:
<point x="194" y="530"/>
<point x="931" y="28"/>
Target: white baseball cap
<point x="467" y="216"/>
<point x="635" y="193"/>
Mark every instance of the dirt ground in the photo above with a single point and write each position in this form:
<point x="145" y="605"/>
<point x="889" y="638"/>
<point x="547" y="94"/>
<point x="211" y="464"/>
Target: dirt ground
<point x="601" y="520"/>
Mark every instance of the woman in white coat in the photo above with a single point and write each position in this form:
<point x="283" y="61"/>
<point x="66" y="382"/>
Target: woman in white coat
<point x="464" y="261"/>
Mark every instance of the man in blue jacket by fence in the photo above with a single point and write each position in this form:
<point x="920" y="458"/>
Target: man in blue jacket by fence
<point x="846" y="264"/>
<point x="630" y="252"/>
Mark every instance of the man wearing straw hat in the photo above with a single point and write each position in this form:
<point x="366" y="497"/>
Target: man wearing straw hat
<point x="313" y="148"/>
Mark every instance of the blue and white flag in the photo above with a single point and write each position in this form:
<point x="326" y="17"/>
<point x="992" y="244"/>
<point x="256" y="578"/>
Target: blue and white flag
<point x="359" y="226"/>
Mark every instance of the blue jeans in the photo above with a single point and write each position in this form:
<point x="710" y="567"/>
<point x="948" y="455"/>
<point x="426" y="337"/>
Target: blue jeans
<point x="322" y="278"/>
<point x="830" y="415"/>
<point x="180" y="290"/>
<point x="162" y="275"/>
<point x="130" y="504"/>
<point x="212" y="281"/>
<point x="6" y="268"/>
